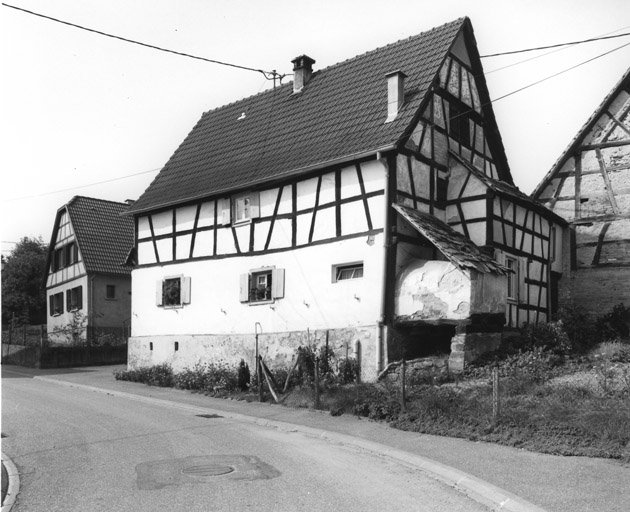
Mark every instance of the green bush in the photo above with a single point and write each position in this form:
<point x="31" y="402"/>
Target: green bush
<point x="615" y="324"/>
<point x="159" y="375"/>
<point x="376" y="403"/>
<point x="348" y="370"/>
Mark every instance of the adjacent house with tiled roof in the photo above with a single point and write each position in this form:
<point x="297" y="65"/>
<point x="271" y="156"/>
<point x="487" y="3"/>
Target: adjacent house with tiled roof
<point x="369" y="204"/>
<point x="87" y="278"/>
<point x="589" y="186"/>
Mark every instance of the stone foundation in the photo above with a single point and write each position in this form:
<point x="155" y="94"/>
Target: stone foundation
<point x="277" y="349"/>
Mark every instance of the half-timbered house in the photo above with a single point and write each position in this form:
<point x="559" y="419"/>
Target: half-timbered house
<point x="370" y="203"/>
<point x="88" y="284"/>
<point x="589" y="186"/>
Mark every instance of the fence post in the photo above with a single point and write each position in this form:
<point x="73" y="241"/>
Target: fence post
<point x="403" y="394"/>
<point x="41" y="335"/>
<point x="317" y="398"/>
<point x="496" y="412"/>
<point x="24" y="335"/>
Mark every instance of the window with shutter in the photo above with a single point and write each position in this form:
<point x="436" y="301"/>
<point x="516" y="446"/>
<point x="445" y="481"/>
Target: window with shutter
<point x="173" y="291"/>
<point x="262" y="285"/>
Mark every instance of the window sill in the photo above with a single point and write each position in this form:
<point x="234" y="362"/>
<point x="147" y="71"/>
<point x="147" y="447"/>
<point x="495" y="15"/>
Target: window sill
<point x="243" y="222"/>
<point x="260" y="302"/>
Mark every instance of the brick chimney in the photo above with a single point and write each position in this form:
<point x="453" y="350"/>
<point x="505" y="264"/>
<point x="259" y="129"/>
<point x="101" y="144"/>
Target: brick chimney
<point x="395" y="94"/>
<point x="302" y="71"/>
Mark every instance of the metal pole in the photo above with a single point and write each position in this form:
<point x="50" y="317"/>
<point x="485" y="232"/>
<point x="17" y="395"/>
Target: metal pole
<point x="403" y="394"/>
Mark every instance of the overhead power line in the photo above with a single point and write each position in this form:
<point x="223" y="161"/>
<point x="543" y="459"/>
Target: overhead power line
<point x="269" y="75"/>
<point x="81" y="186"/>
<point x="554" y="45"/>
<point x="560" y="72"/>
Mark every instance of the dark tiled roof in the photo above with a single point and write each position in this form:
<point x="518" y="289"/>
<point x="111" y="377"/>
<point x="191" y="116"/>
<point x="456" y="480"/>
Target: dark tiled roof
<point x="339" y="114"/>
<point x="104" y="235"/>
<point x="458" y="249"/>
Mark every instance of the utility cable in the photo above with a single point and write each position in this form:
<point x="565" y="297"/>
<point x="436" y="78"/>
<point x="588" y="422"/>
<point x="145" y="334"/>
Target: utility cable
<point x="554" y="46"/>
<point x="559" y="73"/>
<point x="269" y="75"/>
<point x="81" y="186"/>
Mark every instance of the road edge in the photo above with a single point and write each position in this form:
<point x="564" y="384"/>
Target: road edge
<point x="481" y="491"/>
<point x="14" y="483"/>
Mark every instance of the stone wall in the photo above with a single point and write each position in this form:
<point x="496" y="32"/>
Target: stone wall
<point x="277" y="349"/>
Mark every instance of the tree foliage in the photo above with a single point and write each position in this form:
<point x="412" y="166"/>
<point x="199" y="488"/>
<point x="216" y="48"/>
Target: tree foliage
<point x="23" y="290"/>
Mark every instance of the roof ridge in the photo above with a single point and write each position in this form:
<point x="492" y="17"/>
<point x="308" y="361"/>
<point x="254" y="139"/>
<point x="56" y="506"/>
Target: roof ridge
<point x="74" y="198"/>
<point x="345" y="61"/>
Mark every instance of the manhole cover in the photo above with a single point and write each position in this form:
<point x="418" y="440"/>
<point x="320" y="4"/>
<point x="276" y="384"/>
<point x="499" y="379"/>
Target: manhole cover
<point x="207" y="470"/>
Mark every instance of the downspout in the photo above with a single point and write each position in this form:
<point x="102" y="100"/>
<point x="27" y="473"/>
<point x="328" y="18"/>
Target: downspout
<point x="386" y="220"/>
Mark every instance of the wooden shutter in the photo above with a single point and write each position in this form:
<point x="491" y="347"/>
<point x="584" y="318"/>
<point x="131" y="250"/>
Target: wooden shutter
<point x="80" y="297"/>
<point x="254" y="205"/>
<point x="185" y="290"/>
<point x="277" y="283"/>
<point x="51" y="305"/>
<point x="158" y="293"/>
<point x="224" y="205"/>
<point x="68" y="300"/>
<point x="243" y="292"/>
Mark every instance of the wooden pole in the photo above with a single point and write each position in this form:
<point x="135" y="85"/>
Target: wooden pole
<point x="317" y="398"/>
<point x="403" y="394"/>
<point x="495" y="395"/>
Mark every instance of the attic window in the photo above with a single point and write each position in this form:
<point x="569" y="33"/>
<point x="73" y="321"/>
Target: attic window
<point x="245" y="207"/>
<point x="459" y="124"/>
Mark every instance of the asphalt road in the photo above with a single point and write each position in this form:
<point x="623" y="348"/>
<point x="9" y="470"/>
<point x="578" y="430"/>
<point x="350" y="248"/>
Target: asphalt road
<point x="77" y="450"/>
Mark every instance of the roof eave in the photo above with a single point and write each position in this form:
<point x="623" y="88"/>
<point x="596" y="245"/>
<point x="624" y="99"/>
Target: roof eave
<point x="293" y="172"/>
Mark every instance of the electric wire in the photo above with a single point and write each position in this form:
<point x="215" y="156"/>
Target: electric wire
<point x="269" y="75"/>
<point x="81" y="186"/>
<point x="554" y="45"/>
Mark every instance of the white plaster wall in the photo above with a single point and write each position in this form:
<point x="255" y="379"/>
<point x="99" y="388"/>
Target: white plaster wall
<point x="432" y="290"/>
<point x="65" y="318"/>
<point x="311" y="300"/>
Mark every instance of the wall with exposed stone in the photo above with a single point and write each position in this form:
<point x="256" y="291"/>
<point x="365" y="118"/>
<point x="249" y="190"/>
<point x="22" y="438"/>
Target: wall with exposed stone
<point x="277" y="349"/>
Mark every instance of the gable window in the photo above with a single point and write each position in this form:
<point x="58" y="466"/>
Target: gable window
<point x="173" y="292"/>
<point x="110" y="291"/>
<point x="262" y="285"/>
<point x="71" y="255"/>
<point x="245" y="207"/>
<point x="74" y="298"/>
<point x="58" y="259"/>
<point x="56" y="304"/>
<point x="459" y="123"/>
<point x="441" y="191"/>
<point x="347" y="271"/>
<point x="512" y="283"/>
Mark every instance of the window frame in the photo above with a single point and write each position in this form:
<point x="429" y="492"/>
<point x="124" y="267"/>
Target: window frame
<point x="511" y="264"/>
<point x="184" y="289"/>
<point x="342" y="267"/>
<point x="55" y="304"/>
<point x="74" y="299"/>
<point x="459" y="124"/>
<point x="111" y="296"/>
<point x="274" y="286"/>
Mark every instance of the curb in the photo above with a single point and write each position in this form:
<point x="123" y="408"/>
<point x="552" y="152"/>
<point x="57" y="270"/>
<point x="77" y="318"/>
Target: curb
<point x="477" y="489"/>
<point x="14" y="483"/>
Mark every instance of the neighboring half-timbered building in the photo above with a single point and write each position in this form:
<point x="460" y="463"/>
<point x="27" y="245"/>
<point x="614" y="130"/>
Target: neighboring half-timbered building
<point x="370" y="203"/>
<point x="88" y="285"/>
<point x="589" y="186"/>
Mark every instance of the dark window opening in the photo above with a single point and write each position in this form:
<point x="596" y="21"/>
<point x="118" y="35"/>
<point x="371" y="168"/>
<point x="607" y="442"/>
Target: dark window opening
<point x="110" y="291"/>
<point x="345" y="272"/>
<point x="260" y="286"/>
<point x="459" y="125"/>
<point x="441" y="191"/>
<point x="171" y="292"/>
<point x="74" y="298"/>
<point x="56" y="304"/>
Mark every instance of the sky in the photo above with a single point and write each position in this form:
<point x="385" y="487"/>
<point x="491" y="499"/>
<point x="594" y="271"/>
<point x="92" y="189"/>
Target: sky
<point x="85" y="114"/>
